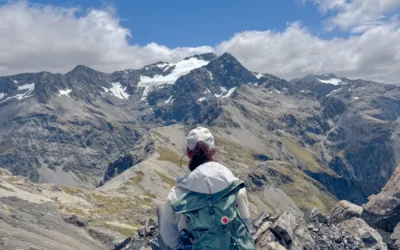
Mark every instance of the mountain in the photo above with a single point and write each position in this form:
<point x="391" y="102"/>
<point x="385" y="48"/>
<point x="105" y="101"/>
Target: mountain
<point x="298" y="145"/>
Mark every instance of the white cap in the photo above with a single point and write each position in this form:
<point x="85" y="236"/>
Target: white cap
<point x="200" y="134"/>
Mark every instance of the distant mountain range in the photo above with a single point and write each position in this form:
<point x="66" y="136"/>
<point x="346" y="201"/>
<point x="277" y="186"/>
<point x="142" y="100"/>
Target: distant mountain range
<point x="80" y="128"/>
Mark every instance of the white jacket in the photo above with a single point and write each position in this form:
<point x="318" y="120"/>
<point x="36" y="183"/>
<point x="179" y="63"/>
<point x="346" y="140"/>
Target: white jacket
<point x="209" y="178"/>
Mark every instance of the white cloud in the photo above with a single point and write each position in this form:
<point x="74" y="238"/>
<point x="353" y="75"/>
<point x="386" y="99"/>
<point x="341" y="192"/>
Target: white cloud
<point x="37" y="37"/>
<point x="357" y="15"/>
<point x="295" y="52"/>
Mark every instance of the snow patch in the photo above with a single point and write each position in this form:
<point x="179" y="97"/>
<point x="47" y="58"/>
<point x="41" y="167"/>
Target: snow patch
<point x="29" y="89"/>
<point x="202" y="99"/>
<point x="117" y="90"/>
<point x="211" y="76"/>
<point x="334" y="81"/>
<point x="15" y="81"/>
<point x="334" y="91"/>
<point x="356" y="98"/>
<point x="230" y="92"/>
<point x="207" y="91"/>
<point x="65" y="92"/>
<point x="170" y="100"/>
<point x="258" y="75"/>
<point x="223" y="91"/>
<point x="255" y="84"/>
<point x="277" y="91"/>
<point x="162" y="65"/>
<point x="181" y="68"/>
<point x="2" y="95"/>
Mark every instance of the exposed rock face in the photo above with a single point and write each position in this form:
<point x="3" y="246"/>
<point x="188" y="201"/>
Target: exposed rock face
<point x="395" y="237"/>
<point x="86" y="126"/>
<point x="383" y="210"/>
<point x="138" y="154"/>
<point x="25" y="224"/>
<point x="289" y="232"/>
<point x="344" y="210"/>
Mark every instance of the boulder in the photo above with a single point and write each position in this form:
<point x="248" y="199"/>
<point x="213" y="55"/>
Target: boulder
<point x="265" y="239"/>
<point x="395" y="237"/>
<point x="344" y="210"/>
<point x="273" y="246"/>
<point x="383" y="210"/>
<point x="284" y="227"/>
<point x="76" y="220"/>
<point x="262" y="229"/>
<point x="317" y="216"/>
<point x="358" y="233"/>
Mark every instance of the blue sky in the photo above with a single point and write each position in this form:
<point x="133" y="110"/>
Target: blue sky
<point x="177" y="23"/>
<point x="286" y="38"/>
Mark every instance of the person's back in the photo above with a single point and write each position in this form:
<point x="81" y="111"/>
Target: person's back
<point x="209" y="206"/>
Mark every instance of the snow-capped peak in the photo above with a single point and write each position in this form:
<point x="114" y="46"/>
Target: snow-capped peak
<point x="181" y="68"/>
<point x="334" y="81"/>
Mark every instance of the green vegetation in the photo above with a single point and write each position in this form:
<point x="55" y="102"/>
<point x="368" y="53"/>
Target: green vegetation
<point x="171" y="182"/>
<point x="72" y="190"/>
<point x="167" y="155"/>
<point x="124" y="229"/>
<point x="138" y="178"/>
<point x="307" y="157"/>
<point x="303" y="191"/>
<point x="12" y="179"/>
<point x="74" y="210"/>
<point x="241" y="154"/>
<point x="149" y="194"/>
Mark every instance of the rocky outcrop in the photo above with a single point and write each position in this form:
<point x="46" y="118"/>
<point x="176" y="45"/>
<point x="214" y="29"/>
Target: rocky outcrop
<point x="344" y="210"/>
<point x="138" y="154"/>
<point x="315" y="232"/>
<point x="395" y="237"/>
<point x="383" y="210"/>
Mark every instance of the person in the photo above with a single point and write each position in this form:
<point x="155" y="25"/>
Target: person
<point x="207" y="209"/>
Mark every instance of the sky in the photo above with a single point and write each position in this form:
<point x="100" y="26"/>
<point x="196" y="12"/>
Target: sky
<point x="287" y="38"/>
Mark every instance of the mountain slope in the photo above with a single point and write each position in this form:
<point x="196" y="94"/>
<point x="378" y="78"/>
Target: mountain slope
<point x="85" y="127"/>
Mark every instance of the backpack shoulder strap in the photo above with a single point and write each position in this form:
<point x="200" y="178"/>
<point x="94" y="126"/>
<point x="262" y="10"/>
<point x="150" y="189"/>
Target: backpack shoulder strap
<point x="191" y="201"/>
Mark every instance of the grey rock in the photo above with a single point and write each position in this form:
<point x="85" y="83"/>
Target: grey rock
<point x="383" y="210"/>
<point x="76" y="220"/>
<point x="363" y="234"/>
<point x="344" y="210"/>
<point x="316" y="215"/>
<point x="395" y="237"/>
<point x="108" y="238"/>
<point x="284" y="227"/>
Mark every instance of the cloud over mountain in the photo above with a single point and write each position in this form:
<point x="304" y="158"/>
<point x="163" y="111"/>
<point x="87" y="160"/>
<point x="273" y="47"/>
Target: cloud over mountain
<point x="43" y="37"/>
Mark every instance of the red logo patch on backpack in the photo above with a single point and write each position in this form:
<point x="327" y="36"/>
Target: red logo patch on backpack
<point x="225" y="220"/>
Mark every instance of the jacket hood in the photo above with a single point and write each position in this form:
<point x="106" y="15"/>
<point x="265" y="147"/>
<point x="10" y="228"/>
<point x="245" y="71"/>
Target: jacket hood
<point x="208" y="178"/>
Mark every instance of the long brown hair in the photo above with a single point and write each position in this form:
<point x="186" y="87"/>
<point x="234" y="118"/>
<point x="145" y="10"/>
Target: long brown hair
<point x="199" y="155"/>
